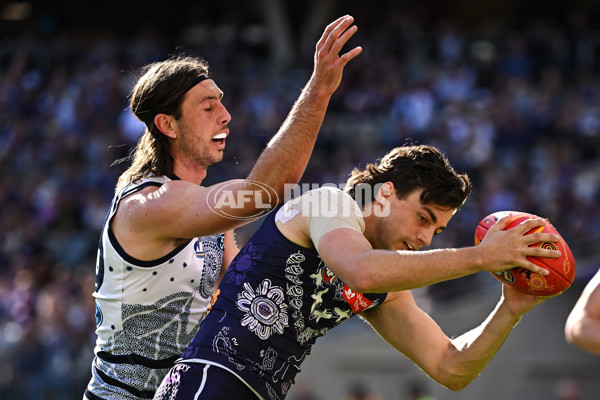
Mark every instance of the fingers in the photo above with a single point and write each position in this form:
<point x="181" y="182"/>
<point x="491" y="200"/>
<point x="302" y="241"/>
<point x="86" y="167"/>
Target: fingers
<point x="535" y="268"/>
<point x="543" y="252"/>
<point x="522" y="228"/>
<point x="530" y="232"/>
<point x="336" y="35"/>
<point x="329" y="65"/>
<point x="530" y="224"/>
<point x="502" y="223"/>
<point x="333" y="32"/>
<point x="331" y="26"/>
<point x="339" y="41"/>
<point x="540" y="237"/>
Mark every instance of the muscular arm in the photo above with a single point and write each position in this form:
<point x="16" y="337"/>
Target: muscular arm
<point x="453" y="363"/>
<point x="583" y="324"/>
<point x="286" y="155"/>
<point x="152" y="222"/>
<point x="348" y="253"/>
<point x="367" y="270"/>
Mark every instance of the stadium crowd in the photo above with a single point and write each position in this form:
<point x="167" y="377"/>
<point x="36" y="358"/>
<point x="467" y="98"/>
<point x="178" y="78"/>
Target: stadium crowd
<point x="518" y="109"/>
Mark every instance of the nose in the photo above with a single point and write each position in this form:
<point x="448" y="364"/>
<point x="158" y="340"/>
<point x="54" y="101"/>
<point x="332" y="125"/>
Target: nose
<point x="425" y="236"/>
<point x="226" y="117"/>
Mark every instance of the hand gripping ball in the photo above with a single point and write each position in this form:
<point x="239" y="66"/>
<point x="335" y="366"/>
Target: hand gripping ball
<point x="562" y="269"/>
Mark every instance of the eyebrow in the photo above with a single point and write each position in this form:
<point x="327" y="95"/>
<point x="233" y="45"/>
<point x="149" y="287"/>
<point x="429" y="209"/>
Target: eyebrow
<point x="433" y="217"/>
<point x="431" y="214"/>
<point x="212" y="97"/>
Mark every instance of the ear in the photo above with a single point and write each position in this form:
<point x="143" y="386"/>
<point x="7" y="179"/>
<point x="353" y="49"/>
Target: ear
<point x="164" y="123"/>
<point x="386" y="190"/>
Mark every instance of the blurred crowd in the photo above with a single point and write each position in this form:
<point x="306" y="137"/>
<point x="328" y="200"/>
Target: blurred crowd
<point x="518" y="110"/>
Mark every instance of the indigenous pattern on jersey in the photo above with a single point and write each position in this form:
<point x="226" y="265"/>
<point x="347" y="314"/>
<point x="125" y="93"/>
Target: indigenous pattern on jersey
<point x="147" y="311"/>
<point x="275" y="300"/>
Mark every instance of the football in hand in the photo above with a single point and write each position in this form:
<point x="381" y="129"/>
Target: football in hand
<point x="562" y="269"/>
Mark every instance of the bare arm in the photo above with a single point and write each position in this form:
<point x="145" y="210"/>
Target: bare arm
<point x="453" y="363"/>
<point x="367" y="270"/>
<point x="583" y="324"/>
<point x="152" y="222"/>
<point x="286" y="155"/>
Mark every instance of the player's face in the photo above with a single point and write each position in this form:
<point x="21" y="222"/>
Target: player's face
<point x="412" y="224"/>
<point x="202" y="128"/>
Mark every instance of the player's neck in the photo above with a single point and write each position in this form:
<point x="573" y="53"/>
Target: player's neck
<point x="195" y="175"/>
<point x="370" y="222"/>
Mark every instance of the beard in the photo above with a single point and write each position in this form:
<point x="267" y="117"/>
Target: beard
<point x="197" y="152"/>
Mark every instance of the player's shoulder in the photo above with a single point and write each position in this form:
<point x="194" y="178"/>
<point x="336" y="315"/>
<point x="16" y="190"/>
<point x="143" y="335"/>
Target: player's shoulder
<point x="325" y="196"/>
<point x="329" y="192"/>
<point x="148" y="184"/>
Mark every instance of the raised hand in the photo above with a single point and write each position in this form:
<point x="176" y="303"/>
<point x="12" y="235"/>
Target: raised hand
<point x="329" y="64"/>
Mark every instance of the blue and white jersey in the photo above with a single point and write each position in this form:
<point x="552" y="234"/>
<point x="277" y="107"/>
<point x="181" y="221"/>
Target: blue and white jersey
<point x="147" y="311"/>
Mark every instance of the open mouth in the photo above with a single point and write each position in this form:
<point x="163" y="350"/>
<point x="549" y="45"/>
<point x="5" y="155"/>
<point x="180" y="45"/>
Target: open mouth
<point x="409" y="246"/>
<point x="220" y="138"/>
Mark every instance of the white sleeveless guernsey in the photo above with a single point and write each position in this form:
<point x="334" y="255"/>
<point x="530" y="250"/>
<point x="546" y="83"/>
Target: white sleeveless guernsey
<point x="147" y="311"/>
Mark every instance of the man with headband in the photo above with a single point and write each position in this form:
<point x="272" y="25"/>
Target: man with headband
<point x="167" y="239"/>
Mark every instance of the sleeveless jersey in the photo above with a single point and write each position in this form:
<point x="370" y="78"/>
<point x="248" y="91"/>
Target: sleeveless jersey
<point x="147" y="311"/>
<point x="275" y="300"/>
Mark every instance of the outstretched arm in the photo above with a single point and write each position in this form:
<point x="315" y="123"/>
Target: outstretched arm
<point x="583" y="324"/>
<point x="287" y="154"/>
<point x="366" y="270"/>
<point x="153" y="221"/>
<point x="453" y="363"/>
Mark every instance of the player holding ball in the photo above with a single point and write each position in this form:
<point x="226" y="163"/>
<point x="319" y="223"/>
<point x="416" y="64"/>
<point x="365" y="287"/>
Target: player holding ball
<point x="328" y="255"/>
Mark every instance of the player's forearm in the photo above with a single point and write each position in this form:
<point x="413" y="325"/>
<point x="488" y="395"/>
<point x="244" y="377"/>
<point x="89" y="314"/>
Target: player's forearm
<point x="473" y="350"/>
<point x="286" y="156"/>
<point x="381" y="271"/>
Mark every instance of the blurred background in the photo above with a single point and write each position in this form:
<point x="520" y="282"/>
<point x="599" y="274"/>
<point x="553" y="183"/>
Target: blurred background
<point x="509" y="91"/>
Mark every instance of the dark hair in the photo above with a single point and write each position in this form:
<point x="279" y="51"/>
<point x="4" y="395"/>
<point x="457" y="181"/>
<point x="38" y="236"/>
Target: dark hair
<point x="160" y="89"/>
<point x="413" y="167"/>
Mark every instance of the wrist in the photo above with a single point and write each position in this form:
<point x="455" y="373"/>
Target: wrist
<point x="508" y="311"/>
<point x="475" y="258"/>
<point x="317" y="88"/>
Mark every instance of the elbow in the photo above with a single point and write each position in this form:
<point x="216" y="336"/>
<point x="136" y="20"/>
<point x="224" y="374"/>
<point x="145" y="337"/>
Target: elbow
<point x="459" y="384"/>
<point x="456" y="382"/>
<point x="571" y="334"/>
<point x="360" y="279"/>
<point x="574" y="330"/>
<point x="575" y="334"/>
<point x="456" y="375"/>
<point x="358" y="284"/>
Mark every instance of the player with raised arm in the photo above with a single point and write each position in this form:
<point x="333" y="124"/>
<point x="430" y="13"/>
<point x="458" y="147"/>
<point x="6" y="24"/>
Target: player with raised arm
<point x="162" y="248"/>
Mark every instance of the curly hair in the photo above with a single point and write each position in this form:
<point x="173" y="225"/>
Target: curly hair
<point x="413" y="167"/>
